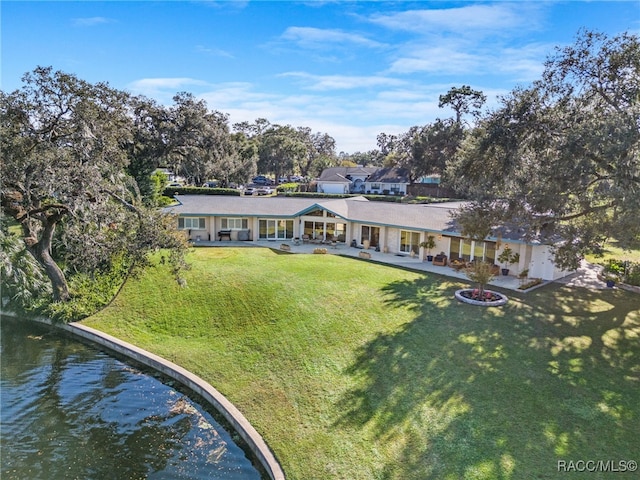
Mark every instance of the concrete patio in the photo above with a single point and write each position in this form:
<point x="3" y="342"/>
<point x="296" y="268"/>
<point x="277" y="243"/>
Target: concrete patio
<point x="400" y="260"/>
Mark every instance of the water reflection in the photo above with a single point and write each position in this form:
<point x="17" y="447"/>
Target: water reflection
<point x="69" y="411"/>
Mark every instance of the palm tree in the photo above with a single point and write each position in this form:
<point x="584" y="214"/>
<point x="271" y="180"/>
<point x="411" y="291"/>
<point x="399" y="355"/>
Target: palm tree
<point x="22" y="277"/>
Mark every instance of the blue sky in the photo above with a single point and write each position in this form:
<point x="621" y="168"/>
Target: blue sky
<point x="350" y="69"/>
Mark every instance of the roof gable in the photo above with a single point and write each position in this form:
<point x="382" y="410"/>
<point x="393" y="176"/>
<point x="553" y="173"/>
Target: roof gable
<point x="342" y="174"/>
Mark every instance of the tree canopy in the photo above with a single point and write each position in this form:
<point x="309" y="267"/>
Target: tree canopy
<point x="561" y="157"/>
<point x="66" y="146"/>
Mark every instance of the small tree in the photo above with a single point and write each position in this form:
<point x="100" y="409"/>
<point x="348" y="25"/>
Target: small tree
<point x="480" y="273"/>
<point x="429" y="243"/>
<point x="508" y="257"/>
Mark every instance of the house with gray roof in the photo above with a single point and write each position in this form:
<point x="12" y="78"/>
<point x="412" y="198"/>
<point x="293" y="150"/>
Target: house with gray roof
<point x="388" y="181"/>
<point x="388" y="227"/>
<point x="344" y="179"/>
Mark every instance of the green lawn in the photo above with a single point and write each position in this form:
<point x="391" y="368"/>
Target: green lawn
<point x="353" y="370"/>
<point x="613" y="251"/>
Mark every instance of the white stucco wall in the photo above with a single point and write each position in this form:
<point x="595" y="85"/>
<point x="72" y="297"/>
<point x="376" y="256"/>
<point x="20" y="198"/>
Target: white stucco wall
<point x="542" y="265"/>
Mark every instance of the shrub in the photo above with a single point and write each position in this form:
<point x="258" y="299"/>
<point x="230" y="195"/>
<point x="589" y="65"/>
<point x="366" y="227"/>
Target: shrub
<point x="615" y="268"/>
<point x="633" y="274"/>
<point x="623" y="271"/>
<point x="90" y="292"/>
<point x="171" y="191"/>
<point x="529" y="284"/>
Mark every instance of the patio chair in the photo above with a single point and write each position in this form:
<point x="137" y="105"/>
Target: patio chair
<point x="440" y="260"/>
<point x="305" y="238"/>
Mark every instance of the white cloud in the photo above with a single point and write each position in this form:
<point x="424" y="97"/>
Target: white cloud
<point x="342" y="82"/>
<point x="440" y="60"/>
<point x="471" y="19"/>
<point x="309" y="37"/>
<point x="163" y="89"/>
<point x="91" y="21"/>
<point x="353" y="120"/>
<point x="212" y="51"/>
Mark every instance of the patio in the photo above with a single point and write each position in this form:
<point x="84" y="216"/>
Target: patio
<point x="506" y="282"/>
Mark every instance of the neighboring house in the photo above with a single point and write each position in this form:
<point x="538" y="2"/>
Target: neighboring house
<point x="171" y="177"/>
<point x="389" y="227"/>
<point x="344" y="179"/>
<point x="388" y="181"/>
<point x="430" y="179"/>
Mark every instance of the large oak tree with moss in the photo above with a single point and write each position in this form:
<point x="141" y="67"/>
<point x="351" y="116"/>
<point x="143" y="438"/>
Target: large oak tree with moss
<point x="560" y="159"/>
<point x="65" y="146"/>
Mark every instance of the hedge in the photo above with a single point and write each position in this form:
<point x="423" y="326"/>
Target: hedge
<point x="171" y="191"/>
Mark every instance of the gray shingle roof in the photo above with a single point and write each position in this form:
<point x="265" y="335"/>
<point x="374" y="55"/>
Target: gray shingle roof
<point x="339" y="174"/>
<point x="430" y="217"/>
<point x="390" y="175"/>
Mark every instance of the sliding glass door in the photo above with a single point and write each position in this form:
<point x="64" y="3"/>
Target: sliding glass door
<point x="409" y="241"/>
<point x="372" y="234"/>
<point x="275" y="229"/>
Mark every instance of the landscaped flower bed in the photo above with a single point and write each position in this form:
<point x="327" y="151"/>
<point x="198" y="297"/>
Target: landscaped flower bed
<point x="488" y="298"/>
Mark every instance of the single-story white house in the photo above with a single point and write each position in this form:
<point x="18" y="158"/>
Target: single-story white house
<point x="390" y="227"/>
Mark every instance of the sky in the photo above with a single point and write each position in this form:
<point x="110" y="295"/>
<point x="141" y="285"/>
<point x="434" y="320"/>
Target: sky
<point x="347" y="68"/>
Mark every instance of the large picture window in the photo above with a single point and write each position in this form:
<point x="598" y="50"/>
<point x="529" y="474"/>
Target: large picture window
<point x="234" y="223"/>
<point x="191" y="223"/>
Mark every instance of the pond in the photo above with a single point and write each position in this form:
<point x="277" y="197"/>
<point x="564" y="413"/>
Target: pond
<point x="70" y="411"/>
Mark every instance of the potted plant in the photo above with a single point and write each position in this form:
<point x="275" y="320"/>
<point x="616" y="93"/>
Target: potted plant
<point x="429" y="243"/>
<point x="613" y="272"/>
<point x="508" y="257"/>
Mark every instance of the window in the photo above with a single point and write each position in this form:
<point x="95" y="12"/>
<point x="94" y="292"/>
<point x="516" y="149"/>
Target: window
<point x="234" y="223"/>
<point x="375" y="186"/>
<point x="454" y="251"/>
<point x="464" y="248"/>
<point x="275" y="229"/>
<point x="490" y="252"/>
<point x="409" y="241"/>
<point x="191" y="223"/>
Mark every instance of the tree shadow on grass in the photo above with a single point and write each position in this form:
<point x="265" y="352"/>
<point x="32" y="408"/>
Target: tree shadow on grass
<point x="473" y="392"/>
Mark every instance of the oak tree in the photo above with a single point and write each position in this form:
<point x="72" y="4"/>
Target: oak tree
<point x="65" y="146"/>
<point x="561" y="159"/>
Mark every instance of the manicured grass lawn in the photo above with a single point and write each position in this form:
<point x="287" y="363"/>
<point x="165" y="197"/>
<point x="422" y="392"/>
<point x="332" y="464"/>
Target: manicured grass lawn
<point x="613" y="251"/>
<point x="353" y="370"/>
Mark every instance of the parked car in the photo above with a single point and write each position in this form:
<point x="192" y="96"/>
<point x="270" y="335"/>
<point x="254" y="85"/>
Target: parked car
<point x="261" y="180"/>
<point x="175" y="185"/>
<point x="210" y="184"/>
<point x="249" y="191"/>
<point x="264" y="191"/>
